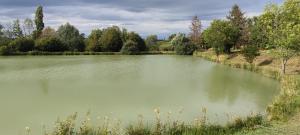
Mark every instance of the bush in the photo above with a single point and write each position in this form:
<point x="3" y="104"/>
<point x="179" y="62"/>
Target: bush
<point x="182" y="45"/>
<point x="50" y="44"/>
<point x="250" y="52"/>
<point x="185" y="49"/>
<point x="111" y="40"/>
<point x="130" y="47"/>
<point x="22" y="44"/>
<point x="6" y="50"/>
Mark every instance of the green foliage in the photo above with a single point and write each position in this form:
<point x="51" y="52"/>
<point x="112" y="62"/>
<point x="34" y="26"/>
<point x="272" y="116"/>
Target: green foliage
<point x="137" y="38"/>
<point x="22" y="44"/>
<point x="17" y="31"/>
<point x="250" y="52"/>
<point x="182" y="45"/>
<point x="71" y="38"/>
<point x="221" y="35"/>
<point x="93" y="41"/>
<point x="111" y="40"/>
<point x="39" y="22"/>
<point x="49" y="44"/>
<point x="283" y="29"/>
<point x="6" y="50"/>
<point x="288" y="102"/>
<point x="130" y="47"/>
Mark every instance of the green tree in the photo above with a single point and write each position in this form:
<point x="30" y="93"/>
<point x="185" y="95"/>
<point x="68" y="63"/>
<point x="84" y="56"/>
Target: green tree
<point x="1" y="31"/>
<point x="71" y="38"/>
<point x="17" y="31"/>
<point x="250" y="52"/>
<point x="39" y="22"/>
<point x="182" y="45"/>
<point x="221" y="35"/>
<point x="236" y="17"/>
<point x="152" y="43"/>
<point x="111" y="40"/>
<point x="22" y="44"/>
<point x="138" y="39"/>
<point x="93" y="41"/>
<point x="49" y="44"/>
<point x="284" y="31"/>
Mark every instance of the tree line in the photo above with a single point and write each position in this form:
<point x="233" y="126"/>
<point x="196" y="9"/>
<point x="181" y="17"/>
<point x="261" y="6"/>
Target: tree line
<point x="34" y="36"/>
<point x="277" y="30"/>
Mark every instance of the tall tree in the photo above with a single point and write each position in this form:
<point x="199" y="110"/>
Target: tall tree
<point x="39" y="22"/>
<point x="17" y="31"/>
<point x="28" y="27"/>
<point x="71" y="38"/>
<point x="285" y="33"/>
<point x="93" y="41"/>
<point x="236" y="17"/>
<point x="195" y="33"/>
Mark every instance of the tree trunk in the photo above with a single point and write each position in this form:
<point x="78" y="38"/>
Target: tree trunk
<point x="283" y="66"/>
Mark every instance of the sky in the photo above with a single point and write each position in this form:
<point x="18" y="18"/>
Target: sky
<point x="146" y="17"/>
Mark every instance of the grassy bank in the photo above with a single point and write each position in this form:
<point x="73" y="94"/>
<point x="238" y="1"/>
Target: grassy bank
<point x="286" y="106"/>
<point x="36" y="53"/>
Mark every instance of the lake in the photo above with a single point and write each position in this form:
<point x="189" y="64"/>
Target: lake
<point x="36" y="90"/>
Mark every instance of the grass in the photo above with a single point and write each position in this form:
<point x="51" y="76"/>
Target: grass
<point x="197" y="127"/>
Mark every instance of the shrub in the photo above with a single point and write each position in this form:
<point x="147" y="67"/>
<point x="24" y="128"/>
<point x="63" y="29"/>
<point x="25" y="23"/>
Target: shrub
<point x="182" y="45"/>
<point x="185" y="49"/>
<point x="6" y="50"/>
<point x="50" y="44"/>
<point x="22" y="44"/>
<point x="250" y="52"/>
<point x="130" y="47"/>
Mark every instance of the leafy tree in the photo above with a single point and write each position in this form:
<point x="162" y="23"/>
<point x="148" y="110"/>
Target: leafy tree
<point x="17" y="31"/>
<point x="138" y="39"/>
<point x="71" y="38"/>
<point x="284" y="29"/>
<point x="258" y="35"/>
<point x="250" y="52"/>
<point x="22" y="44"/>
<point x="195" y="33"/>
<point x="111" y="40"/>
<point x="93" y="41"/>
<point x="182" y="45"/>
<point x="49" y="44"/>
<point x="130" y="47"/>
<point x="236" y="17"/>
<point x="124" y="35"/>
<point x="39" y="22"/>
<point x="221" y="35"/>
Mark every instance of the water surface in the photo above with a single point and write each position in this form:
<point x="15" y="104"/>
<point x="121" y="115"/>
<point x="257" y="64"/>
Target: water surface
<point x="35" y="91"/>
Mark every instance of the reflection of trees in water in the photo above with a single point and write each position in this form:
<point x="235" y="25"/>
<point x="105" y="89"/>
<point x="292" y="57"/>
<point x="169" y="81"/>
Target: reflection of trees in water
<point x="44" y="83"/>
<point x="225" y="84"/>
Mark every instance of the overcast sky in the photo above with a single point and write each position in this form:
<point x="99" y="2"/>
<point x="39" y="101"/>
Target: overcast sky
<point x="146" y="17"/>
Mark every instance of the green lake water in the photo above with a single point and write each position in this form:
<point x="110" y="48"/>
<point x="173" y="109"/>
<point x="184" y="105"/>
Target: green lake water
<point x="35" y="91"/>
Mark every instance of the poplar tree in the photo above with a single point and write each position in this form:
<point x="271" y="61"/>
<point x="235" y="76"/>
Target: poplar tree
<point x="39" y="22"/>
<point x="195" y="34"/>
